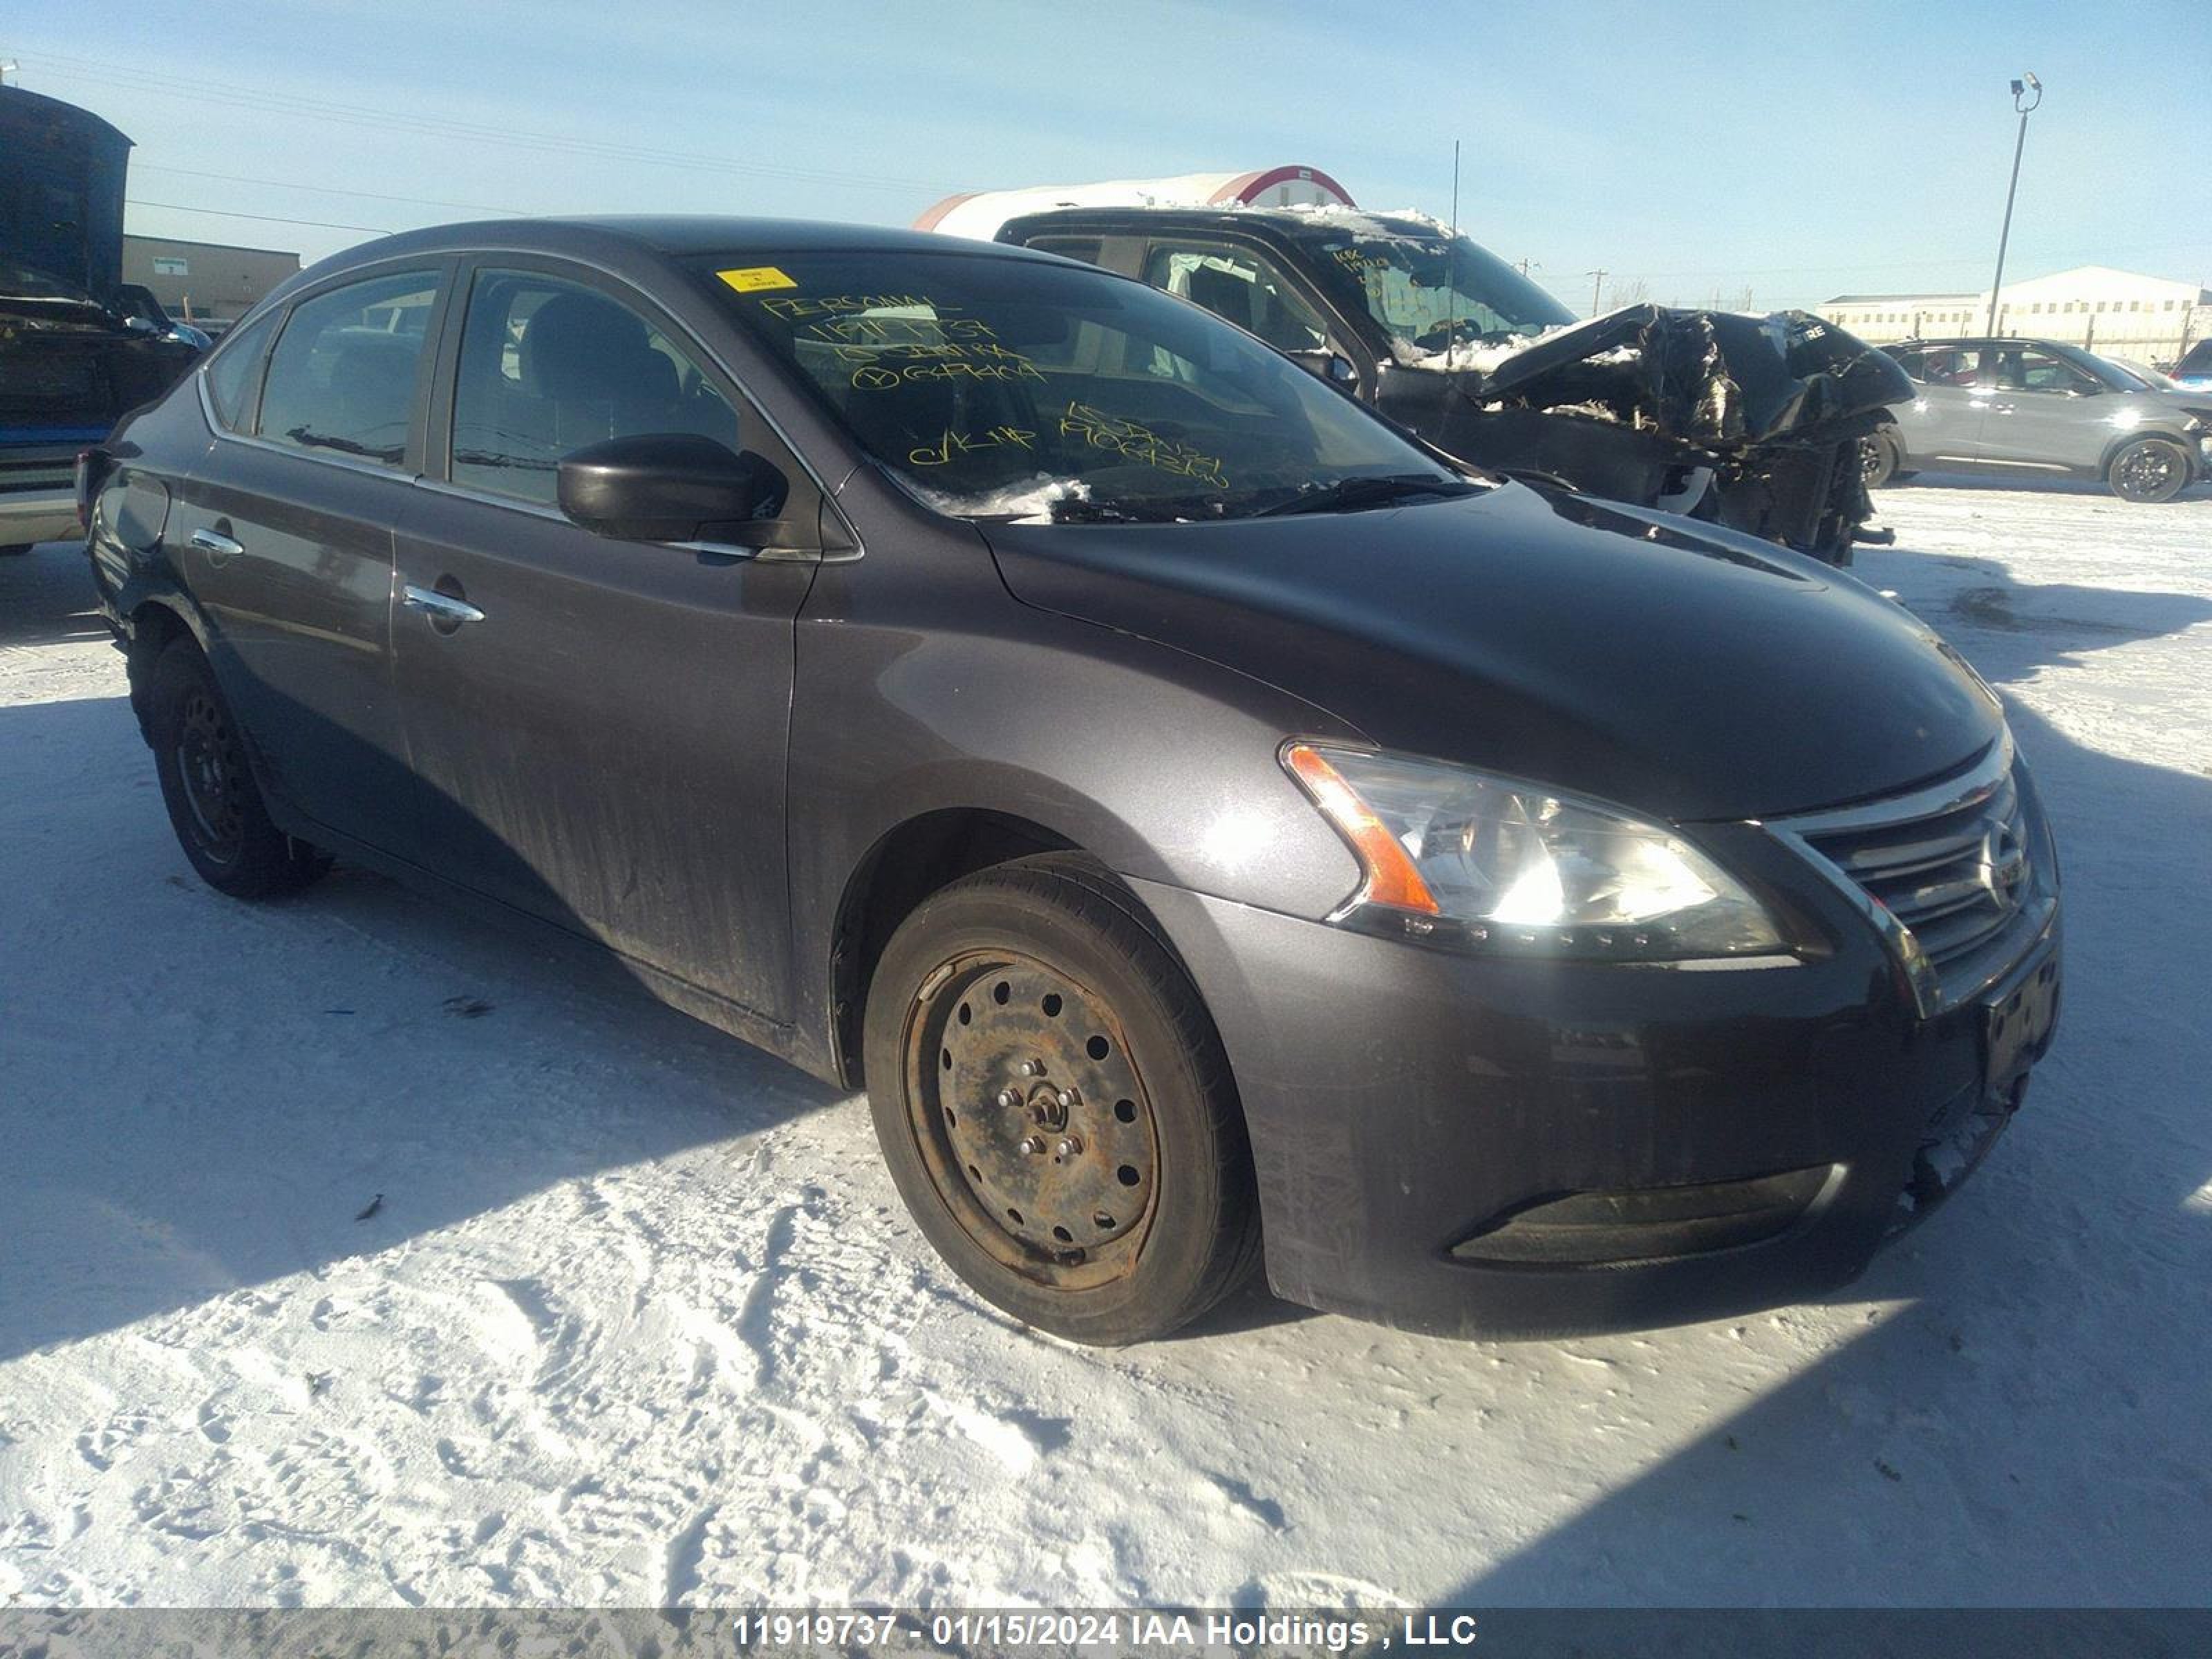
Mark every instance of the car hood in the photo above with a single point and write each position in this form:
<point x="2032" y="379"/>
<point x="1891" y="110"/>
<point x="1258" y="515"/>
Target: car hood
<point x="1714" y="378"/>
<point x="1690" y="673"/>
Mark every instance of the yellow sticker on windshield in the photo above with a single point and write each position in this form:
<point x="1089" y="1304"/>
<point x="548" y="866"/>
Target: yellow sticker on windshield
<point x="753" y="278"/>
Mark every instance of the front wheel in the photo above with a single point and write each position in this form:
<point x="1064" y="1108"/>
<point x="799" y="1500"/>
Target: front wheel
<point x="2149" y="470"/>
<point x="1055" y="1108"/>
<point x="215" y="805"/>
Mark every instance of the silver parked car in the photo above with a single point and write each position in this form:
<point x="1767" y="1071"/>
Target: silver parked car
<point x="2037" y="406"/>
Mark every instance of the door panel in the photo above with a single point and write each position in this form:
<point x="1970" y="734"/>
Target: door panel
<point x="605" y="748"/>
<point x="1945" y="420"/>
<point x="300" y="616"/>
<point x="600" y="726"/>
<point x="2043" y="411"/>
<point x="285" y="534"/>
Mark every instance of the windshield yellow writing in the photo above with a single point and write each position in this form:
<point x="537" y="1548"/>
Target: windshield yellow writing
<point x="1135" y="442"/>
<point x="953" y="444"/>
<point x="795" y="308"/>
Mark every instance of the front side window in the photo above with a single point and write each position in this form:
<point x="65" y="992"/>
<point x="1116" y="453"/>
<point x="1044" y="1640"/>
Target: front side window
<point x="234" y="376"/>
<point x="548" y="367"/>
<point x="994" y="386"/>
<point x="342" y="378"/>
<point x="1239" y="288"/>
<point x="1429" y="290"/>
<point x="2023" y="368"/>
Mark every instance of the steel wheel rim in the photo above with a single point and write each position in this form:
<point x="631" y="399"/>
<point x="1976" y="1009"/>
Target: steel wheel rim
<point x="208" y="768"/>
<point x="2145" y="471"/>
<point x="1062" y="1191"/>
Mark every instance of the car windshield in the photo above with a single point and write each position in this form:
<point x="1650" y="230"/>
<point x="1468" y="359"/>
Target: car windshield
<point x="1431" y="290"/>
<point x="1003" y="387"/>
<point x="19" y="282"/>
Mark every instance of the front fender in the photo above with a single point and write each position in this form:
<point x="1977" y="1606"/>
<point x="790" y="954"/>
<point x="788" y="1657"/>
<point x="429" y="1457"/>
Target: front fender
<point x="1161" y="766"/>
<point x="2193" y="456"/>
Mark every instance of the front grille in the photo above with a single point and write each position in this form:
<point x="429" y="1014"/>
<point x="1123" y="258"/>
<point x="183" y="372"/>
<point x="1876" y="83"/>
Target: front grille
<point x="1953" y="878"/>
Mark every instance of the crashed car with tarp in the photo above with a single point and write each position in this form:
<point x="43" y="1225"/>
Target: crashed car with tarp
<point x="79" y="347"/>
<point x="1755" y="423"/>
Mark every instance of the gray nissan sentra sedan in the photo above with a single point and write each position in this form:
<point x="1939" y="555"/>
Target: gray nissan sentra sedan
<point x="1212" y="829"/>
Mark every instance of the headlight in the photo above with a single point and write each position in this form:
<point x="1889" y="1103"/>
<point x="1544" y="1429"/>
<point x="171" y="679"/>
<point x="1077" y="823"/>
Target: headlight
<point x="1455" y="856"/>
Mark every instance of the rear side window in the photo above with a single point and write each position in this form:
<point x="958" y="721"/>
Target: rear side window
<point x="233" y="375"/>
<point x="342" y="379"/>
<point x="1091" y="249"/>
<point x="1956" y="366"/>
<point x="548" y="367"/>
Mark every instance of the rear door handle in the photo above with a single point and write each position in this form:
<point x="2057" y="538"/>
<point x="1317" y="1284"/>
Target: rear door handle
<point x="439" y="607"/>
<point x="220" y="548"/>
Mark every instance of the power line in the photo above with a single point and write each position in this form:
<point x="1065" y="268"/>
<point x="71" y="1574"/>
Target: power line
<point x="265" y="218"/>
<point x="325" y="190"/>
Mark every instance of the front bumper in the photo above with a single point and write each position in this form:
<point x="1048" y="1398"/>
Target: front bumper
<point x="1483" y="1147"/>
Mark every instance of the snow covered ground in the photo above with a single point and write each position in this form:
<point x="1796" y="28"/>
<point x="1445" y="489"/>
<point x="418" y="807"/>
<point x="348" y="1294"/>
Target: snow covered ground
<point x="637" y="1319"/>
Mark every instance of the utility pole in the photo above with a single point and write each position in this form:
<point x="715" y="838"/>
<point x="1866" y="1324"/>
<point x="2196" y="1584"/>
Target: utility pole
<point x="2027" y="94"/>
<point x="1451" y="265"/>
<point x="1597" y="288"/>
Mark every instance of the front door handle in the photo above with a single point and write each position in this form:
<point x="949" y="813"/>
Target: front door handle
<point x="220" y="548"/>
<point x="440" y="608"/>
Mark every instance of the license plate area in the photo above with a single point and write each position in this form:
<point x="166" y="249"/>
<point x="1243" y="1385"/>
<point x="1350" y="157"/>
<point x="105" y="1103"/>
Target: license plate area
<point x="2018" y="1021"/>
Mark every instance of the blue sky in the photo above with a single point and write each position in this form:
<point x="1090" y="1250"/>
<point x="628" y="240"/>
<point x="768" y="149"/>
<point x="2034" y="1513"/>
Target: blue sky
<point x="1793" y="149"/>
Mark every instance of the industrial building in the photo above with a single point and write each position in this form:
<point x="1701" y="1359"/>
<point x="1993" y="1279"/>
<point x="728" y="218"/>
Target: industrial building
<point x="203" y="281"/>
<point x="2119" y="312"/>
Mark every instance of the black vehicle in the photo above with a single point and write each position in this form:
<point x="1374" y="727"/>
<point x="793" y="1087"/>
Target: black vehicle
<point x="77" y="346"/>
<point x="1755" y="423"/>
<point x="1210" y="827"/>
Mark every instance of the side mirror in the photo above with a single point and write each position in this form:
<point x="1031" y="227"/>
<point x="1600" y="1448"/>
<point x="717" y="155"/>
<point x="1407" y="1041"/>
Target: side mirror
<point x="1333" y="367"/>
<point x="668" y="487"/>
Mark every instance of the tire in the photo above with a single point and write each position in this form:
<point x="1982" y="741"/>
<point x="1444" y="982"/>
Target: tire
<point x="2149" y="470"/>
<point x="215" y="804"/>
<point x="1880" y="457"/>
<point x="1107" y="1196"/>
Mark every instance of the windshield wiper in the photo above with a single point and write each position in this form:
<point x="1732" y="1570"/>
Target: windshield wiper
<point x="1071" y="509"/>
<point x="1352" y="495"/>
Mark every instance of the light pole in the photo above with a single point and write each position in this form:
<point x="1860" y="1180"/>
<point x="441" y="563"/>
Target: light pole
<point x="2027" y="93"/>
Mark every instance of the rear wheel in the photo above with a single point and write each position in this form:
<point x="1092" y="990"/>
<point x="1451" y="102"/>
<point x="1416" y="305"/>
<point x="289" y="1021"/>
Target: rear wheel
<point x="1880" y="457"/>
<point x="2149" y="470"/>
<point x="215" y="805"/>
<point x="1055" y="1106"/>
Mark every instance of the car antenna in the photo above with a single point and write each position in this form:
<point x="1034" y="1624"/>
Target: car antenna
<point x="1451" y="266"/>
